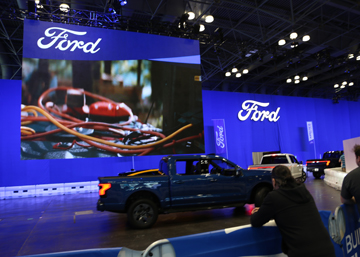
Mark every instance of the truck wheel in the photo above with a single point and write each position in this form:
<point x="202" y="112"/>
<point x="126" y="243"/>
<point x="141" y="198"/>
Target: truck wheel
<point x="260" y="196"/>
<point x="303" y="177"/>
<point x="142" y="213"/>
<point x="317" y="174"/>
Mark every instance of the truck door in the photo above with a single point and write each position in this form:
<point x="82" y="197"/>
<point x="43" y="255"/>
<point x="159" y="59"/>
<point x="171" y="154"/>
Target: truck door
<point x="192" y="183"/>
<point x="296" y="167"/>
<point x="229" y="187"/>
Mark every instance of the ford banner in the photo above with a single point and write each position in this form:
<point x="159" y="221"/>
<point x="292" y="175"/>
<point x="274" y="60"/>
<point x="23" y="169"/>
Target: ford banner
<point x="220" y="136"/>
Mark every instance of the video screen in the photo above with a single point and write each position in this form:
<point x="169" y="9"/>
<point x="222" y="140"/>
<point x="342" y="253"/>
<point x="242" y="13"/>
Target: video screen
<point x="103" y="108"/>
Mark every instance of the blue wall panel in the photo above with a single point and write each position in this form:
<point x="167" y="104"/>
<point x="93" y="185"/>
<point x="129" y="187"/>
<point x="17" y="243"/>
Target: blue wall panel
<point x="332" y="123"/>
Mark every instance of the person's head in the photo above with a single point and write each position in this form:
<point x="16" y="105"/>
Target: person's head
<point x="357" y="154"/>
<point x="282" y="178"/>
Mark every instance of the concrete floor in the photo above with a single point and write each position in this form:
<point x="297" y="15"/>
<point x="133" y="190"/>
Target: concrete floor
<point x="71" y="222"/>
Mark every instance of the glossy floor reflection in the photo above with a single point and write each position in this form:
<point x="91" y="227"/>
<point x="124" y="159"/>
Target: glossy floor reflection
<point x="71" y="222"/>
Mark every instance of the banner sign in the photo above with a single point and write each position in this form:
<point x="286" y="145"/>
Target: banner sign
<point x="351" y="240"/>
<point x="70" y="42"/>
<point x="310" y="131"/>
<point x="220" y="136"/>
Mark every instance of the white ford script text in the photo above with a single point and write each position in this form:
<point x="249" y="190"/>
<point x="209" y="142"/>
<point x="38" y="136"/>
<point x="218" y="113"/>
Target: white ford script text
<point x="59" y="36"/>
<point x="220" y="139"/>
<point x="251" y="106"/>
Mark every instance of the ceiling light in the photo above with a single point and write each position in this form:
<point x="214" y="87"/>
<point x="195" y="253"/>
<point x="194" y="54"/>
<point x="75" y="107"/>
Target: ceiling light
<point x="358" y="58"/>
<point x="123" y="2"/>
<point x="238" y="75"/>
<point x="351" y="84"/>
<point x="336" y="85"/>
<point x="209" y="18"/>
<point x="202" y="28"/>
<point x="228" y="74"/>
<point x="234" y="70"/>
<point x="297" y="81"/>
<point x="64" y="7"/>
<point x="293" y="35"/>
<point x="305" y="78"/>
<point x="282" y="42"/>
<point x="294" y="44"/>
<point x="344" y="83"/>
<point x="288" y="80"/>
<point x="350" y="56"/>
<point x="342" y="86"/>
<point x="37" y="1"/>
<point x="245" y="71"/>
<point x="306" y="38"/>
<point x="297" y="77"/>
<point x="191" y="15"/>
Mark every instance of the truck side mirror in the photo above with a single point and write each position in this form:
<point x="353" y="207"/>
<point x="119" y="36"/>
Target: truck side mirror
<point x="238" y="173"/>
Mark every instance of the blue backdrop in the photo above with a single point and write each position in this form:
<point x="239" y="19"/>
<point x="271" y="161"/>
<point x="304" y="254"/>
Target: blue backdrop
<point x="332" y="123"/>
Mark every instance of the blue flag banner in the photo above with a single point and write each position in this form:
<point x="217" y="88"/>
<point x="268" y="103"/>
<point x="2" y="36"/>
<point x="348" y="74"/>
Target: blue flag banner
<point x="220" y="136"/>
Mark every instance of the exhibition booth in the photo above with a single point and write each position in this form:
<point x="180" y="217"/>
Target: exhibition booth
<point x="83" y="112"/>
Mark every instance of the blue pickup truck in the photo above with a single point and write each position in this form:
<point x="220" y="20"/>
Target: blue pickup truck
<point x="182" y="183"/>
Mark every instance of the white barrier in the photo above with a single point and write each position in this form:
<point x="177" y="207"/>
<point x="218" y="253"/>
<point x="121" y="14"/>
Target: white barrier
<point x="334" y="177"/>
<point x="48" y="189"/>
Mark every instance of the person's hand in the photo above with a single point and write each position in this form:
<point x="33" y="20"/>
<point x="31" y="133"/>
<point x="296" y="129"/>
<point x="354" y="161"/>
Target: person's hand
<point x="255" y="210"/>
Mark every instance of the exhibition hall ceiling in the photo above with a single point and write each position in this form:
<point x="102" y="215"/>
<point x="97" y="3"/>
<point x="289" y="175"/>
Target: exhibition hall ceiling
<point x="244" y="35"/>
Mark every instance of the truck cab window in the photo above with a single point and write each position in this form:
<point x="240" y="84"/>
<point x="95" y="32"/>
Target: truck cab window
<point x="186" y="167"/>
<point x="293" y="159"/>
<point x="222" y="168"/>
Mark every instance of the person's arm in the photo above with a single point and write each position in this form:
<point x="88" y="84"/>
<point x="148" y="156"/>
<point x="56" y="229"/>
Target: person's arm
<point x="346" y="196"/>
<point x="263" y="214"/>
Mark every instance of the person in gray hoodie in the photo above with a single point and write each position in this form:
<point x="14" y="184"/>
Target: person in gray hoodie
<point x="293" y="208"/>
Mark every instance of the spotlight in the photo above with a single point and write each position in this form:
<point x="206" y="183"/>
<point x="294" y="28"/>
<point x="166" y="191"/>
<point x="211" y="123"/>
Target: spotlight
<point x="351" y="84"/>
<point x="297" y="77"/>
<point x="191" y="16"/>
<point x="305" y="78"/>
<point x="123" y="2"/>
<point x="293" y="35"/>
<point x="209" y="19"/>
<point x="238" y="75"/>
<point x="294" y="44"/>
<point x="336" y="85"/>
<point x="358" y="58"/>
<point x="228" y="74"/>
<point x="64" y="7"/>
<point x="182" y="21"/>
<point x="344" y="83"/>
<point x="245" y="71"/>
<point x="306" y="38"/>
<point x="282" y="42"/>
<point x="342" y="86"/>
<point x="288" y="80"/>
<point x="234" y="70"/>
<point x="350" y="56"/>
<point x="297" y="81"/>
<point x="202" y="28"/>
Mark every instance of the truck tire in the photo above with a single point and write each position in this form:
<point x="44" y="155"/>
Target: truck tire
<point x="142" y="213"/>
<point x="260" y="196"/>
<point x="303" y="177"/>
<point x="317" y="174"/>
